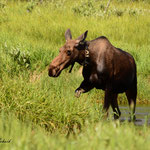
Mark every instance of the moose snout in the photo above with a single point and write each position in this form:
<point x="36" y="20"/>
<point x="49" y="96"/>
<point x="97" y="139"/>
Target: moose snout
<point x="52" y="71"/>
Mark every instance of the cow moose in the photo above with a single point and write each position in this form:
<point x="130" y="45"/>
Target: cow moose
<point x="104" y="67"/>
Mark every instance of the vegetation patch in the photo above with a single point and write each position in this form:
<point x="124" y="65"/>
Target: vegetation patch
<point x="41" y="112"/>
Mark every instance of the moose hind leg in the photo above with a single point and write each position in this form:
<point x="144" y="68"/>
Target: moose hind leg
<point x="114" y="105"/>
<point x="107" y="100"/>
<point x="131" y="96"/>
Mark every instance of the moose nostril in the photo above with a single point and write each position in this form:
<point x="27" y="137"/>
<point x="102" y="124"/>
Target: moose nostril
<point x="51" y="71"/>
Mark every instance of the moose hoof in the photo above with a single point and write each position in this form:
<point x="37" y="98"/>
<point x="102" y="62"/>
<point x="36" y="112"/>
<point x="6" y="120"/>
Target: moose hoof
<point x="77" y="93"/>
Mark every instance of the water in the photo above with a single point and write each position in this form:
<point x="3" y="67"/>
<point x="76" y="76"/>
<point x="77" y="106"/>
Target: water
<point x="142" y="115"/>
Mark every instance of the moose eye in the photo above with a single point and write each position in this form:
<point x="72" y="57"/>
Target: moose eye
<point x="68" y="52"/>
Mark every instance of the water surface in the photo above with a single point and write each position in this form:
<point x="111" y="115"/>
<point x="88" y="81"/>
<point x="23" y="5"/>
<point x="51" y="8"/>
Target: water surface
<point x="142" y="114"/>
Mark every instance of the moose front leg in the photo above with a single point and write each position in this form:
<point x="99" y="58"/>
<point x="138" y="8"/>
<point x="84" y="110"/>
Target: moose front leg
<point x="83" y="88"/>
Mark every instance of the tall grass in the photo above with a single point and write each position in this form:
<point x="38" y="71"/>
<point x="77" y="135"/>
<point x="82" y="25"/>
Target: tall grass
<point x="31" y="34"/>
<point x="95" y="136"/>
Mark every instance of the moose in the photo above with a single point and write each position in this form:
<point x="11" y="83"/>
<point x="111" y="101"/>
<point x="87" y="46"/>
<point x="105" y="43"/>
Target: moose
<point x="104" y="67"/>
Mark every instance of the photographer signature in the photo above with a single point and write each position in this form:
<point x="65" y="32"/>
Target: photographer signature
<point x="4" y="140"/>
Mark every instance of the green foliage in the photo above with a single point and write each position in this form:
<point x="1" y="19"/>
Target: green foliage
<point x="29" y="42"/>
<point x="2" y="4"/>
<point x="21" y="57"/>
<point x="112" y="135"/>
<point x="97" y="8"/>
<point x="144" y="1"/>
<point x="86" y="8"/>
<point x="31" y="5"/>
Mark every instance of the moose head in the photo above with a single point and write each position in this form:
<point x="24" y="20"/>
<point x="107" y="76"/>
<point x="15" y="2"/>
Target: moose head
<point x="71" y="52"/>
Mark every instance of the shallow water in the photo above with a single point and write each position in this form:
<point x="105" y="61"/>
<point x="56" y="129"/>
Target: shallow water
<point x="142" y="114"/>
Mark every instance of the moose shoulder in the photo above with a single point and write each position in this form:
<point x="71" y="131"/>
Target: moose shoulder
<point x="105" y="67"/>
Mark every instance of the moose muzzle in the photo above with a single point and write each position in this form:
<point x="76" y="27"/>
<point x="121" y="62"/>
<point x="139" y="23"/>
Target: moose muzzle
<point x="54" y="71"/>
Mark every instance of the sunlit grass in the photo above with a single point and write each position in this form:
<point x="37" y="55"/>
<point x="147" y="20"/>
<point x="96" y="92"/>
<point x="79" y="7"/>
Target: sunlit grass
<point x="28" y="93"/>
<point x="101" y="135"/>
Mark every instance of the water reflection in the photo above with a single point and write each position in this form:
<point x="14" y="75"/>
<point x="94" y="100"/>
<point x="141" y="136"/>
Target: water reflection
<point x="142" y="114"/>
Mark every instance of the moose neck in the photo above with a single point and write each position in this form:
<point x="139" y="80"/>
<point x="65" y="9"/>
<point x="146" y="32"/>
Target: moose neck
<point x="83" y="57"/>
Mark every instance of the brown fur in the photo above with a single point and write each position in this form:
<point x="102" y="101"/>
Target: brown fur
<point x="110" y="69"/>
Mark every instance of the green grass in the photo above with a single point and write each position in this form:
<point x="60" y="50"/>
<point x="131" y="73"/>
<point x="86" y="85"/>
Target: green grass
<point x="101" y="135"/>
<point x="45" y="108"/>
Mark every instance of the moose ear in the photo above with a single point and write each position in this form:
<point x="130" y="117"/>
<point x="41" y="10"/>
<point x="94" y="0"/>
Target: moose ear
<point x="68" y="35"/>
<point x="82" y="37"/>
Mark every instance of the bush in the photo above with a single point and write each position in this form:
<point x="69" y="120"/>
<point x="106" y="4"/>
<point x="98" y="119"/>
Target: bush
<point x="86" y="8"/>
<point x="21" y="57"/>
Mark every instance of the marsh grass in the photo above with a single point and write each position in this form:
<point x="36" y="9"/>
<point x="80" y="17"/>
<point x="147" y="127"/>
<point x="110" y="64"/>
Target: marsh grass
<point x="101" y="135"/>
<point x="30" y="39"/>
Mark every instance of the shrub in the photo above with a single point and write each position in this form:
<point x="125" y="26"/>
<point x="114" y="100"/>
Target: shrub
<point x="21" y="57"/>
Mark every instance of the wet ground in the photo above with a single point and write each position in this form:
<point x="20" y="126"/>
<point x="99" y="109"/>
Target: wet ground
<point x="142" y="115"/>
